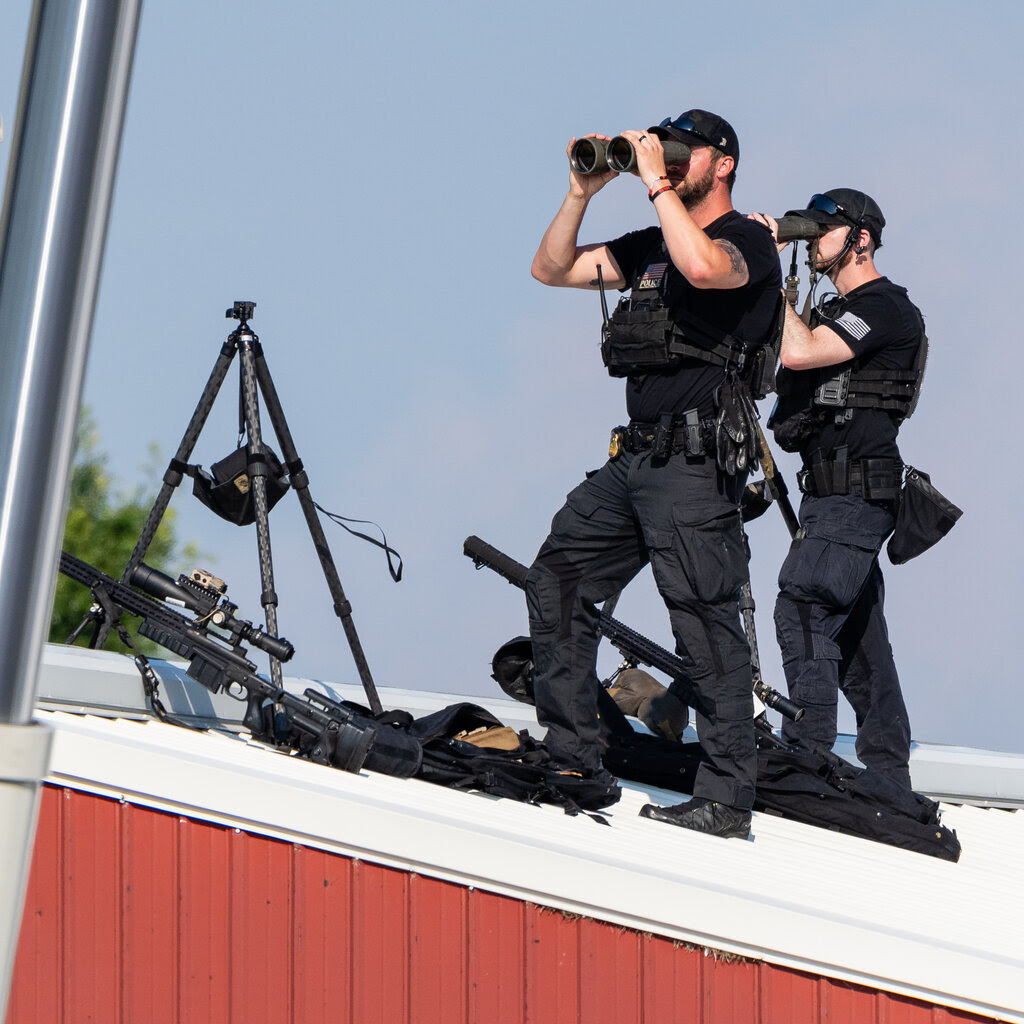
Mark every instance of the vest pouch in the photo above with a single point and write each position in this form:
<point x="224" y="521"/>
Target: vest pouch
<point x="793" y="430"/>
<point x="637" y="341"/>
<point x="795" y="419"/>
<point x="762" y="364"/>
<point x="833" y="392"/>
<point x="761" y="375"/>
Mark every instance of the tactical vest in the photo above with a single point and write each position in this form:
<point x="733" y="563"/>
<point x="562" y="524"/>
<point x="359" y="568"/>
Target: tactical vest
<point x="644" y="334"/>
<point x="895" y="391"/>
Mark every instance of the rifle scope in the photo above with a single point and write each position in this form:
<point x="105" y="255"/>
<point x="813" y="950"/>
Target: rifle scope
<point x="595" y="156"/>
<point x="163" y="588"/>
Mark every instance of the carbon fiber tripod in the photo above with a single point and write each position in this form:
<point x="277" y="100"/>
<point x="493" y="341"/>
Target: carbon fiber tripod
<point x="254" y="378"/>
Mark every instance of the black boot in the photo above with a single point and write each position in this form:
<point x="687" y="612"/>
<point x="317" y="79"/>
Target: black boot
<point x="701" y="815"/>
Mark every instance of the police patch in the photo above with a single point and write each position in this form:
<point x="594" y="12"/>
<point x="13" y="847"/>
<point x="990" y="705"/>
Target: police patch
<point x="653" y="276"/>
<point x="854" y="325"/>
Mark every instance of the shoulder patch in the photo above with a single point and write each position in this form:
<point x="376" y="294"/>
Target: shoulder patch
<point x="854" y="325"/>
<point x="652" y="276"/>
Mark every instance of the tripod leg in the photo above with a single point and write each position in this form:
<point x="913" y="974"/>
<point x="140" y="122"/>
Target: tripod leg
<point x="300" y="481"/>
<point x="257" y="470"/>
<point x="172" y="477"/>
<point x="176" y="466"/>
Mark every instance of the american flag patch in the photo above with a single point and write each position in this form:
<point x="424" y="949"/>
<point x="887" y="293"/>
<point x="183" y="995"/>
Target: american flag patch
<point x="653" y="275"/>
<point x="854" y="325"/>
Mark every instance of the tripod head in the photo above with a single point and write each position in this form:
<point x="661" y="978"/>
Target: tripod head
<point x="241" y="311"/>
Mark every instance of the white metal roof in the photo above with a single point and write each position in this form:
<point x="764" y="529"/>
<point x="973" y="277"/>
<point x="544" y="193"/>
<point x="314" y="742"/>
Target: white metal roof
<point x="792" y="895"/>
<point x="96" y="682"/>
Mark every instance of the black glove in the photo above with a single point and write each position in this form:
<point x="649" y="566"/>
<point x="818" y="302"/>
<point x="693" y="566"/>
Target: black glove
<point x="736" y="437"/>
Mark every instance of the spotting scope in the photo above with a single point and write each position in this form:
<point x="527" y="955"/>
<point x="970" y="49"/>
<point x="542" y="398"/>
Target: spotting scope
<point x="794" y="228"/>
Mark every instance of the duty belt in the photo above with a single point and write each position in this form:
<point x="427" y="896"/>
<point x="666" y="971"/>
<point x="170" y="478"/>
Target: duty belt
<point x="669" y="436"/>
<point x="874" y="479"/>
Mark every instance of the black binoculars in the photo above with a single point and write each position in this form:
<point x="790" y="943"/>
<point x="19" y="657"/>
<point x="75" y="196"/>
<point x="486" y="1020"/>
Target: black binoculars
<point x="794" y="228"/>
<point x="595" y="156"/>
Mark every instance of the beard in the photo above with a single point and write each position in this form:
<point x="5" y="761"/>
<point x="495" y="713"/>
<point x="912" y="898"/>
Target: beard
<point x="695" y="190"/>
<point x="832" y="265"/>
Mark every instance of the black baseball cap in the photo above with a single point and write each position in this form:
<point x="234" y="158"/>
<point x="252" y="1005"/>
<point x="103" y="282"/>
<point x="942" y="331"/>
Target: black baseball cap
<point x="845" y="206"/>
<point x="700" y="128"/>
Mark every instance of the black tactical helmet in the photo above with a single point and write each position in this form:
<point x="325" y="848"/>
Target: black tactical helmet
<point x="512" y="669"/>
<point x="845" y="206"/>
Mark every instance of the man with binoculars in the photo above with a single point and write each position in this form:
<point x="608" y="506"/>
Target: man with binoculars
<point x="852" y="374"/>
<point x="704" y="291"/>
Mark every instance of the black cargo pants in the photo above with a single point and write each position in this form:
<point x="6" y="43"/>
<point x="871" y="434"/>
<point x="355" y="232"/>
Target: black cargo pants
<point x="681" y="515"/>
<point x="831" y="629"/>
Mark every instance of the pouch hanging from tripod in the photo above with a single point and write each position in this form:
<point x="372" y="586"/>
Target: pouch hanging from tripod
<point x="228" y="491"/>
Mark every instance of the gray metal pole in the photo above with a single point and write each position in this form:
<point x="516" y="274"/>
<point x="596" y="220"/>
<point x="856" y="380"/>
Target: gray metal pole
<point x="65" y="143"/>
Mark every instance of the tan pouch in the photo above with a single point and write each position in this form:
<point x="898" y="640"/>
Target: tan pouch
<point x="497" y="737"/>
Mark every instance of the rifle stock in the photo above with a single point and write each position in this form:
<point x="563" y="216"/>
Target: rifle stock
<point x="776" y="485"/>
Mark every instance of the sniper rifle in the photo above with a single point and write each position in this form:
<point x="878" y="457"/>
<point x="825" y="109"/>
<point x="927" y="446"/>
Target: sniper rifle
<point x="633" y="646"/>
<point x="315" y="726"/>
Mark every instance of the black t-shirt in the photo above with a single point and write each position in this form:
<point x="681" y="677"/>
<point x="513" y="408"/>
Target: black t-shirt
<point x="884" y="329"/>
<point x="745" y="313"/>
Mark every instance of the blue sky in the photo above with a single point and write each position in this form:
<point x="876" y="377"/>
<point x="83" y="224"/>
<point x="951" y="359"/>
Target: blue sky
<point x="377" y="181"/>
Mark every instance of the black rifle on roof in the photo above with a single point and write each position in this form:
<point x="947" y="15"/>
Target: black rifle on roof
<point x="316" y="727"/>
<point x="633" y="646"/>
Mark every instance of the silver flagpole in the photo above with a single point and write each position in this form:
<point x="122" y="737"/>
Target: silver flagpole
<point x="65" y="142"/>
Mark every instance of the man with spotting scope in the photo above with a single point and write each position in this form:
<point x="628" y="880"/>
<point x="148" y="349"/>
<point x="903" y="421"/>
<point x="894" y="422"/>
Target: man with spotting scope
<point x="852" y="374"/>
<point x="704" y="291"/>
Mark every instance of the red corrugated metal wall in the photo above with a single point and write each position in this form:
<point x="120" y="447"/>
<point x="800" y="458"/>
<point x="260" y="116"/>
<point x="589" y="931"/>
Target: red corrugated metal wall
<point x="138" y="917"/>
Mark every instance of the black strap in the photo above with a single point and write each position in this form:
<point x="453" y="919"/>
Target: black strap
<point x="725" y="350"/>
<point x="396" y="575"/>
<point x="892" y="390"/>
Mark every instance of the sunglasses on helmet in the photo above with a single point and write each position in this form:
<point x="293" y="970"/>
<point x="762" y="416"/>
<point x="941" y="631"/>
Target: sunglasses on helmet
<point x="825" y="204"/>
<point x="685" y="124"/>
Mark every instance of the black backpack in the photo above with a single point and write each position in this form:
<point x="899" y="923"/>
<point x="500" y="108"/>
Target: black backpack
<point x="528" y="772"/>
<point x="445" y="748"/>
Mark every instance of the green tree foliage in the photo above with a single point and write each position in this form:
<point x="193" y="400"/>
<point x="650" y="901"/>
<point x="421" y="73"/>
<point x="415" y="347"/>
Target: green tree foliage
<point x="102" y="528"/>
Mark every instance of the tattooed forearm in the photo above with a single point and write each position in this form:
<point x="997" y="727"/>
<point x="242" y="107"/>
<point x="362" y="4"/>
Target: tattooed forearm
<point x="738" y="264"/>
